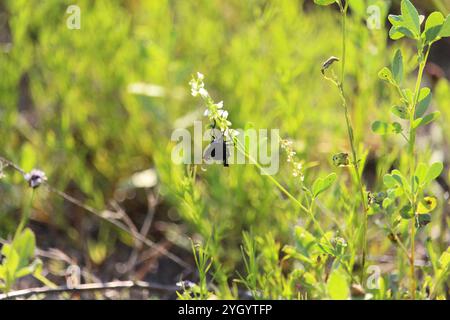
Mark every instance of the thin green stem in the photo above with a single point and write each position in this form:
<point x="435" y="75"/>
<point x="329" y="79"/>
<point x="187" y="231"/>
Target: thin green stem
<point x="308" y="211"/>
<point x="344" y="41"/>
<point x="241" y="149"/>
<point x="25" y="216"/>
<point x="412" y="160"/>
<point x="351" y="138"/>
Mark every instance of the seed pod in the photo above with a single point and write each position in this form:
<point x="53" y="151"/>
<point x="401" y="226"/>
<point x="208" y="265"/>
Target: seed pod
<point x="328" y="63"/>
<point x="341" y="159"/>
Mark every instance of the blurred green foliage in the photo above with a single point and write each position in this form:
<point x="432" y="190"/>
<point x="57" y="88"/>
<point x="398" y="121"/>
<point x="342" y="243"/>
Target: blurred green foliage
<point x="66" y="106"/>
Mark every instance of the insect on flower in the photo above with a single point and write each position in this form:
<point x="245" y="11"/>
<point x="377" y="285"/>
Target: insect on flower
<point x="218" y="150"/>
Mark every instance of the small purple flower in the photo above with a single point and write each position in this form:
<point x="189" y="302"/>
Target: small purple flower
<point x="35" y="178"/>
<point x="186" y="284"/>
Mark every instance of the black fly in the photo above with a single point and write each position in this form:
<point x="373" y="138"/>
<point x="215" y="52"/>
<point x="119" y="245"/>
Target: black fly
<point x="217" y="149"/>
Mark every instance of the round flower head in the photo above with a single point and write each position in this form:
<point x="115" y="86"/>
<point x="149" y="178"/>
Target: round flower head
<point x="35" y="178"/>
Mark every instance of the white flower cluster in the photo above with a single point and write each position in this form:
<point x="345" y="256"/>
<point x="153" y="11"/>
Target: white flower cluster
<point x="198" y="86"/>
<point x="214" y="111"/>
<point x="297" y="170"/>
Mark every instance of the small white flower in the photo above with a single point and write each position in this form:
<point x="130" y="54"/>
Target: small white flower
<point x="225" y="114"/>
<point x="194" y="87"/>
<point x="219" y="105"/>
<point x="231" y="133"/>
<point x="200" y="76"/>
<point x="206" y="113"/>
<point x="203" y="92"/>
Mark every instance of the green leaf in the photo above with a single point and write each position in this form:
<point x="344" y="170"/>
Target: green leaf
<point x="401" y="180"/>
<point x="444" y="259"/>
<point x="11" y="264"/>
<point x="405" y="31"/>
<point x="399" y="28"/>
<point x="306" y="242"/>
<point x="337" y="286"/>
<point x="380" y="127"/>
<point x="400" y="111"/>
<point x="25" y="271"/>
<point x="25" y="245"/>
<point x="433" y="172"/>
<point x="409" y="95"/>
<point x="395" y="20"/>
<point x="2" y="275"/>
<point x="324" y="2"/>
<point x="422" y="220"/>
<point x="386" y="75"/>
<point x="394" y="34"/>
<point x="396" y="127"/>
<point x="433" y="26"/>
<point x="397" y="66"/>
<point x="406" y="212"/>
<point x="421" y="172"/>
<point x="384" y="128"/>
<point x="5" y="249"/>
<point x="389" y="181"/>
<point x="411" y="19"/>
<point x="426" y="120"/>
<point x="322" y="184"/>
<point x="425" y="97"/>
<point x="445" y="30"/>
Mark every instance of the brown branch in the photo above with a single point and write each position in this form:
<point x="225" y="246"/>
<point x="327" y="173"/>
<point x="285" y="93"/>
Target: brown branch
<point x="136" y="235"/>
<point x="151" y="204"/>
<point x="89" y="287"/>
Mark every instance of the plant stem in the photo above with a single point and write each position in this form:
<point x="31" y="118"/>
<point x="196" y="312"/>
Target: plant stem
<point x="351" y="138"/>
<point x="412" y="160"/>
<point x="308" y="211"/>
<point x="25" y="216"/>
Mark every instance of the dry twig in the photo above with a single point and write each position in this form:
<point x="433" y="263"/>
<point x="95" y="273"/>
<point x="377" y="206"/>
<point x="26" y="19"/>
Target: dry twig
<point x="114" y="285"/>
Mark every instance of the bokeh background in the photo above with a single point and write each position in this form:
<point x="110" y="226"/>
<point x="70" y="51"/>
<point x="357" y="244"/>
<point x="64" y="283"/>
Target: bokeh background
<point x="93" y="107"/>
